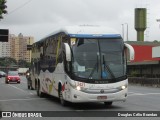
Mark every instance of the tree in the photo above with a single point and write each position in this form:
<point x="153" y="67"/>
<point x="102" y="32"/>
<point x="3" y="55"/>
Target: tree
<point x="23" y="63"/>
<point x="2" y="8"/>
<point x="7" y="61"/>
<point x="155" y="41"/>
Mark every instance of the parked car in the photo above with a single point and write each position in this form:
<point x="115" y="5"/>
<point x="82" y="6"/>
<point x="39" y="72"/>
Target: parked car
<point x="12" y="76"/>
<point x="2" y="74"/>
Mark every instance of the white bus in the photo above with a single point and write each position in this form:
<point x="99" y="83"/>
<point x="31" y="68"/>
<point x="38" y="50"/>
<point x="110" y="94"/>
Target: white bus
<point x="81" y="64"/>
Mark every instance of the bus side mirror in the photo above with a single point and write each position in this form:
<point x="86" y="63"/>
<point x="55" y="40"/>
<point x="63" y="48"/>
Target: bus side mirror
<point x="131" y="51"/>
<point x="68" y="52"/>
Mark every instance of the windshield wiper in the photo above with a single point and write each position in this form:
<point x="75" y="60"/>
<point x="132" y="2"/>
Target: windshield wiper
<point x="95" y="66"/>
<point x="108" y="68"/>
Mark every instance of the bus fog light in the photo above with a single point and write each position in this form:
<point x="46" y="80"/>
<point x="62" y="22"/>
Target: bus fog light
<point x="75" y="96"/>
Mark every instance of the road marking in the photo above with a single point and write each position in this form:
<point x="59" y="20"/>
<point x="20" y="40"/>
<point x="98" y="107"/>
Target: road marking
<point x="20" y="99"/>
<point x="23" y="81"/>
<point x="31" y="93"/>
<point x="134" y="94"/>
<point x="17" y="88"/>
<point x="21" y="90"/>
<point x="1" y="81"/>
<point x="140" y="94"/>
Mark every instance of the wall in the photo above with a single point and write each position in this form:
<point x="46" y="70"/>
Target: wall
<point x="143" y="53"/>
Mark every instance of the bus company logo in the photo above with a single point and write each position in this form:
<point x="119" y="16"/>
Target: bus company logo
<point x="20" y="114"/>
<point x="6" y="114"/>
<point x="101" y="91"/>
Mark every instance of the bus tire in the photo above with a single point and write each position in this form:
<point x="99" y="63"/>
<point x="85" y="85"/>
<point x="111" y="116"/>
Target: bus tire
<point x="62" y="101"/>
<point x="108" y="103"/>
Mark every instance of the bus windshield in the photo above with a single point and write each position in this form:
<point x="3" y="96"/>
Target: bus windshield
<point x="98" y="59"/>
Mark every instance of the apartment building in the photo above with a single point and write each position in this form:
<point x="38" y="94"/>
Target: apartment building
<point x="5" y="49"/>
<point x="16" y="47"/>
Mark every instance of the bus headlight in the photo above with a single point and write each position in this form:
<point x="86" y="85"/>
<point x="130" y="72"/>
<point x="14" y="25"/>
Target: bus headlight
<point x="123" y="87"/>
<point x="78" y="88"/>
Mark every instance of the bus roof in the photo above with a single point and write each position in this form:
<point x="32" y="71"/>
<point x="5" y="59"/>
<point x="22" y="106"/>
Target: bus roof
<point x="87" y="31"/>
<point x="90" y="31"/>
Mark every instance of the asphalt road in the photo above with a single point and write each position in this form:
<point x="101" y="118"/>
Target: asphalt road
<point x="16" y="97"/>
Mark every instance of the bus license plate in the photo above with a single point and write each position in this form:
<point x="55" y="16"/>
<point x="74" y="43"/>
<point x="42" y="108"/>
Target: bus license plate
<point x="102" y="97"/>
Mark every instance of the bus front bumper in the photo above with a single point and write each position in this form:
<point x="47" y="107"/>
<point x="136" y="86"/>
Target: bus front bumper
<point x="79" y="96"/>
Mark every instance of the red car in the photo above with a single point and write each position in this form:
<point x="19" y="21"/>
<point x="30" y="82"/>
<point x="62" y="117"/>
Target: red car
<point x="12" y="76"/>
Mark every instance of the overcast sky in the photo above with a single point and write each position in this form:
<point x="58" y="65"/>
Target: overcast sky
<point x="39" y="18"/>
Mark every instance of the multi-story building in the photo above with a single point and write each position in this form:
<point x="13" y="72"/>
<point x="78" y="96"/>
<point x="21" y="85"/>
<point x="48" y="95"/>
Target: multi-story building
<point x="16" y="47"/>
<point x="23" y="53"/>
<point x="12" y="45"/>
<point x="5" y="49"/>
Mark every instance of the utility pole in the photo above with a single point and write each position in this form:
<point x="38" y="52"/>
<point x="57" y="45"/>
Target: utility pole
<point x="158" y="20"/>
<point x="123" y="31"/>
<point x="127" y="31"/>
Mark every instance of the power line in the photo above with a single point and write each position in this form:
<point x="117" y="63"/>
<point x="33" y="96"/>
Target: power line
<point x="19" y="7"/>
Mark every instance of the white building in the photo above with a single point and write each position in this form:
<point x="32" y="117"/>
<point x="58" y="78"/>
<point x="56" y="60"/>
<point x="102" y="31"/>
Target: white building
<point x="16" y="47"/>
<point x="5" y="49"/>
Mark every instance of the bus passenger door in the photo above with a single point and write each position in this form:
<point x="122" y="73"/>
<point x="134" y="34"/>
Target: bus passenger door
<point x="66" y="57"/>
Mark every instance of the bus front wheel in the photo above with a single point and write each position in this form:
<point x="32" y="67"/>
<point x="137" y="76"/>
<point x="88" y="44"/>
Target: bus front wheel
<point x="62" y="101"/>
<point x="108" y="103"/>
